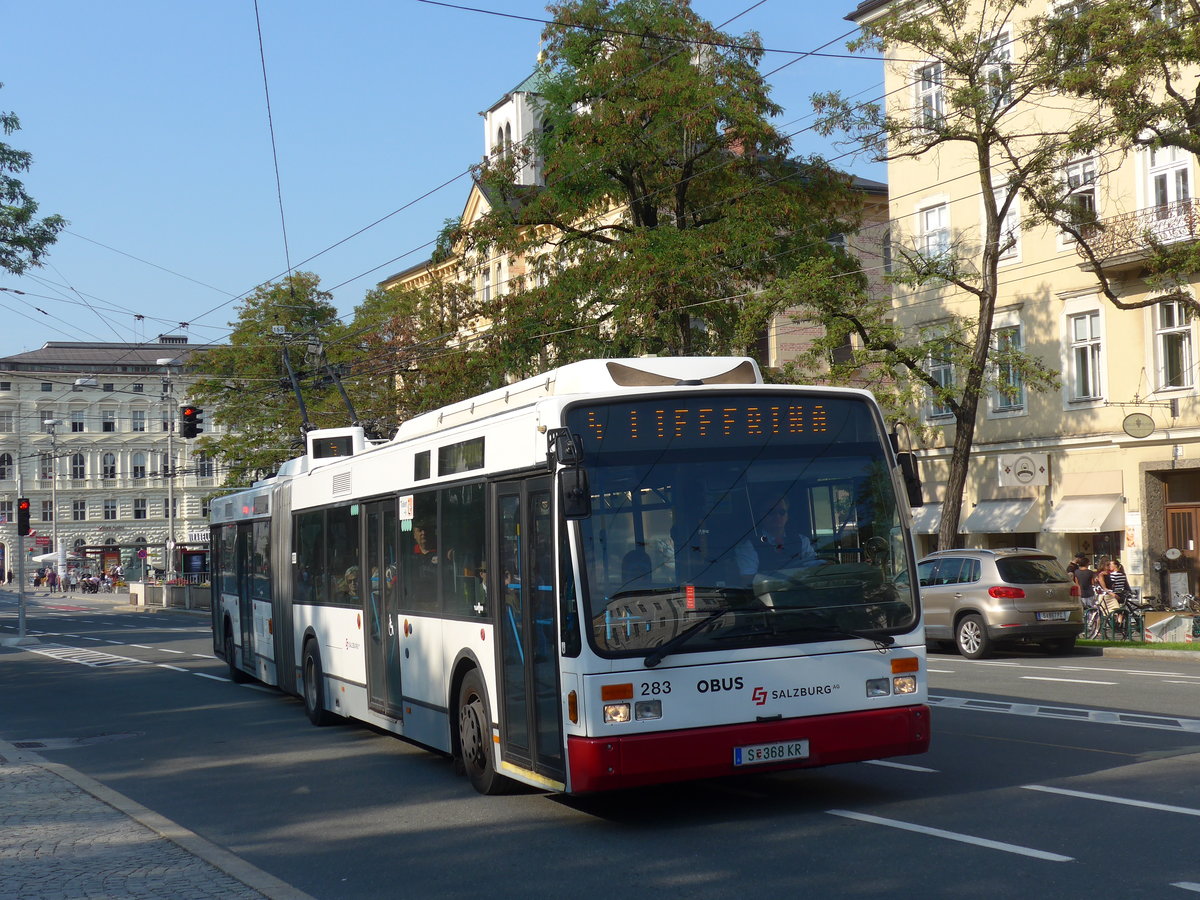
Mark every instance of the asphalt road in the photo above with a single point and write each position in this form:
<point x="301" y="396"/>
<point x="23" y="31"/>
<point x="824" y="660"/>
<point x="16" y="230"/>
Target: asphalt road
<point x="1074" y="776"/>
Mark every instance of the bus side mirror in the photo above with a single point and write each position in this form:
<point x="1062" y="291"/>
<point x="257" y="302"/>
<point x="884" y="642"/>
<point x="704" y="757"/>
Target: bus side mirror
<point x="574" y="493"/>
<point x="912" y="478"/>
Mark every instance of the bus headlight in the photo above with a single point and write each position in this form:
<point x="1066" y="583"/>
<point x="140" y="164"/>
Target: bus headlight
<point x="647" y="709"/>
<point x="879" y="687"/>
<point x="616" y="712"/>
<point x="904" y="684"/>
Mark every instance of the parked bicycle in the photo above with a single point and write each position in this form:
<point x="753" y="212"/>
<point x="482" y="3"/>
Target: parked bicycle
<point x="1181" y="602"/>
<point x="1119" y="608"/>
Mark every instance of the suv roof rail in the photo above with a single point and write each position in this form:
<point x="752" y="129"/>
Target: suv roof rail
<point x="991" y="550"/>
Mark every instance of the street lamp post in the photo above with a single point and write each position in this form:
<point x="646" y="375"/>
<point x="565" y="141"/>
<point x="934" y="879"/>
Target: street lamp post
<point x="51" y="426"/>
<point x="168" y="398"/>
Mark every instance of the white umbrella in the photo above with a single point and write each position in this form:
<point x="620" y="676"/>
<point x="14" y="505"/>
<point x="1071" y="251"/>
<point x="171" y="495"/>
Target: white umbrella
<point x="53" y="557"/>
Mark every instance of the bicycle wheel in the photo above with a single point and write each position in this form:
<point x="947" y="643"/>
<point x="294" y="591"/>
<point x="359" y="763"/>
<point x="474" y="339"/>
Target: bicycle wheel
<point x="1091" y="624"/>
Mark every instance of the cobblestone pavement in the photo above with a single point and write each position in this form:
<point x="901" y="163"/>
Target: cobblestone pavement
<point x="59" y="841"/>
<point x="64" y="835"/>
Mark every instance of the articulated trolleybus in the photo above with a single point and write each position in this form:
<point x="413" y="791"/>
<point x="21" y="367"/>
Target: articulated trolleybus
<point x="619" y="573"/>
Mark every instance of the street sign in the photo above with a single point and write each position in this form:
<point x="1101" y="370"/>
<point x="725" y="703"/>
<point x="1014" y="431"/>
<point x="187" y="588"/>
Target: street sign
<point x="42" y="540"/>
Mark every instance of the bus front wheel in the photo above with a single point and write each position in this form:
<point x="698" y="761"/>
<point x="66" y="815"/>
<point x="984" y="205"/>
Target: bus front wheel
<point x="475" y="736"/>
<point x="314" y="686"/>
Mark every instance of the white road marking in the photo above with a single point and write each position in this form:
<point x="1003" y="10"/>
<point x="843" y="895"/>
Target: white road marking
<point x="1048" y="678"/>
<point x="172" y="668"/>
<point x="908" y="767"/>
<point x="1187" y="886"/>
<point x="1078" y="714"/>
<point x="1107" y="798"/>
<point x="211" y="677"/>
<point x="952" y="836"/>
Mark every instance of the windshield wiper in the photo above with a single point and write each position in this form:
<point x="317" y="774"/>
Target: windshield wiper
<point x="881" y="641"/>
<point x="662" y="650"/>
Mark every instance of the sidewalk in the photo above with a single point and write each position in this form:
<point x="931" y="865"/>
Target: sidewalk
<point x="65" y="835"/>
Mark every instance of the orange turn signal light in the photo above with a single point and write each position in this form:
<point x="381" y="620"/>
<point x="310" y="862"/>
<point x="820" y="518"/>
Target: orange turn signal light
<point x="616" y="691"/>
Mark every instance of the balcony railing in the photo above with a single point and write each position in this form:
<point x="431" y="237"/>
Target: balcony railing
<point x="1132" y="236"/>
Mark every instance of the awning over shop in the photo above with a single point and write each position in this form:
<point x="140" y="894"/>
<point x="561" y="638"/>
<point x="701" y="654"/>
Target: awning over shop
<point x="927" y="518"/>
<point x="1001" y="517"/>
<point x="1087" y="514"/>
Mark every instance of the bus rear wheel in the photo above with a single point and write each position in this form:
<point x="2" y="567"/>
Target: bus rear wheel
<point x="236" y="675"/>
<point x="475" y="736"/>
<point x="314" y="686"/>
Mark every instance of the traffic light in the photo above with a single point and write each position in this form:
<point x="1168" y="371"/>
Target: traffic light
<point x="23" y="516"/>
<point x="190" y="423"/>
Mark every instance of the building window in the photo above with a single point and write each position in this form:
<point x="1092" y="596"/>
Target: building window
<point x="78" y="421"/>
<point x="942" y="371"/>
<point x="138" y="388"/>
<point x="997" y="70"/>
<point x="109" y="388"/>
<point x="8" y="422"/>
<point x="167" y="508"/>
<point x="486" y="277"/>
<point x="6" y="512"/>
<point x="166" y="421"/>
<point x="1010" y="225"/>
<point x="78" y="467"/>
<point x="139" y="508"/>
<point x="1008" y="394"/>
<point x="1080" y="182"/>
<point x="1169" y="180"/>
<point x="204" y="466"/>
<point x="44" y="416"/>
<point x="46" y="466"/>
<point x="79" y="510"/>
<point x="1085" y="356"/>
<point x="47" y="510"/>
<point x="108" y="420"/>
<point x="139" y="465"/>
<point x="1173" y="340"/>
<point x="138" y="419"/>
<point x="47" y="387"/>
<point x="935" y="231"/>
<point x="930" y="99"/>
<point x="5" y="385"/>
<point x="6" y="467"/>
<point x="108" y="466"/>
<point x="110" y="509"/>
<point x="205" y="507"/>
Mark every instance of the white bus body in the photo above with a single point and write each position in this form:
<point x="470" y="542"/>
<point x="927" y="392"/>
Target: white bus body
<point x="572" y="581"/>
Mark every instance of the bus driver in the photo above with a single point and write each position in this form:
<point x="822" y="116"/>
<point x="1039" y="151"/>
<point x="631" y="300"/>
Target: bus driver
<point x="772" y="547"/>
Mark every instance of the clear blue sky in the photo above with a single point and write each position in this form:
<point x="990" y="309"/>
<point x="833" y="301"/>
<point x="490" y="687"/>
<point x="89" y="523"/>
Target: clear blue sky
<point x="148" y="126"/>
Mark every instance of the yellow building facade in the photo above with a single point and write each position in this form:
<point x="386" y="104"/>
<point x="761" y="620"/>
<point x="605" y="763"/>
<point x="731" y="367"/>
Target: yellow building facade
<point x="1108" y="463"/>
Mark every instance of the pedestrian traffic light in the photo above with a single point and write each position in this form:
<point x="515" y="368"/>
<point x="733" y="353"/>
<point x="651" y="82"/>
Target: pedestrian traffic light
<point x="190" y="423"/>
<point x="23" y="516"/>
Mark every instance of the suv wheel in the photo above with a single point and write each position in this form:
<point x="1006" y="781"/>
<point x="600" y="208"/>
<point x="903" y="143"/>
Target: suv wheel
<point x="972" y="638"/>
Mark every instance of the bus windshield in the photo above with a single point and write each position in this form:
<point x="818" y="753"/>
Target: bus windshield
<point x="772" y="516"/>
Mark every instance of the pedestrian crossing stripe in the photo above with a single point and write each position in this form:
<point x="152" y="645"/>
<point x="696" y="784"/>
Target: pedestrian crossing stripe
<point x="85" y="657"/>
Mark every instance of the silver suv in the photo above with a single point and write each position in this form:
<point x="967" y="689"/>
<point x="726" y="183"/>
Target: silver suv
<point x="981" y="598"/>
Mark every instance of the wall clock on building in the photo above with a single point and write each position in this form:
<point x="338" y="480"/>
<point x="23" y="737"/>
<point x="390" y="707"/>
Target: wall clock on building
<point x="1138" y="425"/>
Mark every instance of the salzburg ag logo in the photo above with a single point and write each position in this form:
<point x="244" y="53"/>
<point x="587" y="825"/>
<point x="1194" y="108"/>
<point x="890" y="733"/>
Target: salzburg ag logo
<point x="759" y="696"/>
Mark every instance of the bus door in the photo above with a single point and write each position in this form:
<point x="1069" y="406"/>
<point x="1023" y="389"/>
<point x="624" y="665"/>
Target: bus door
<point x="531" y="732"/>
<point x="380" y="599"/>
<point x="246" y="576"/>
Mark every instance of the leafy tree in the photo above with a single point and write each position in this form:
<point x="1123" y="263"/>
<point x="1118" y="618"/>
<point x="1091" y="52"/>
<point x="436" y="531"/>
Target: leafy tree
<point x="1135" y="62"/>
<point x="977" y="124"/>
<point x="246" y="385"/>
<point x="669" y="199"/>
<point x="415" y="353"/>
<point x="24" y="239"/>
